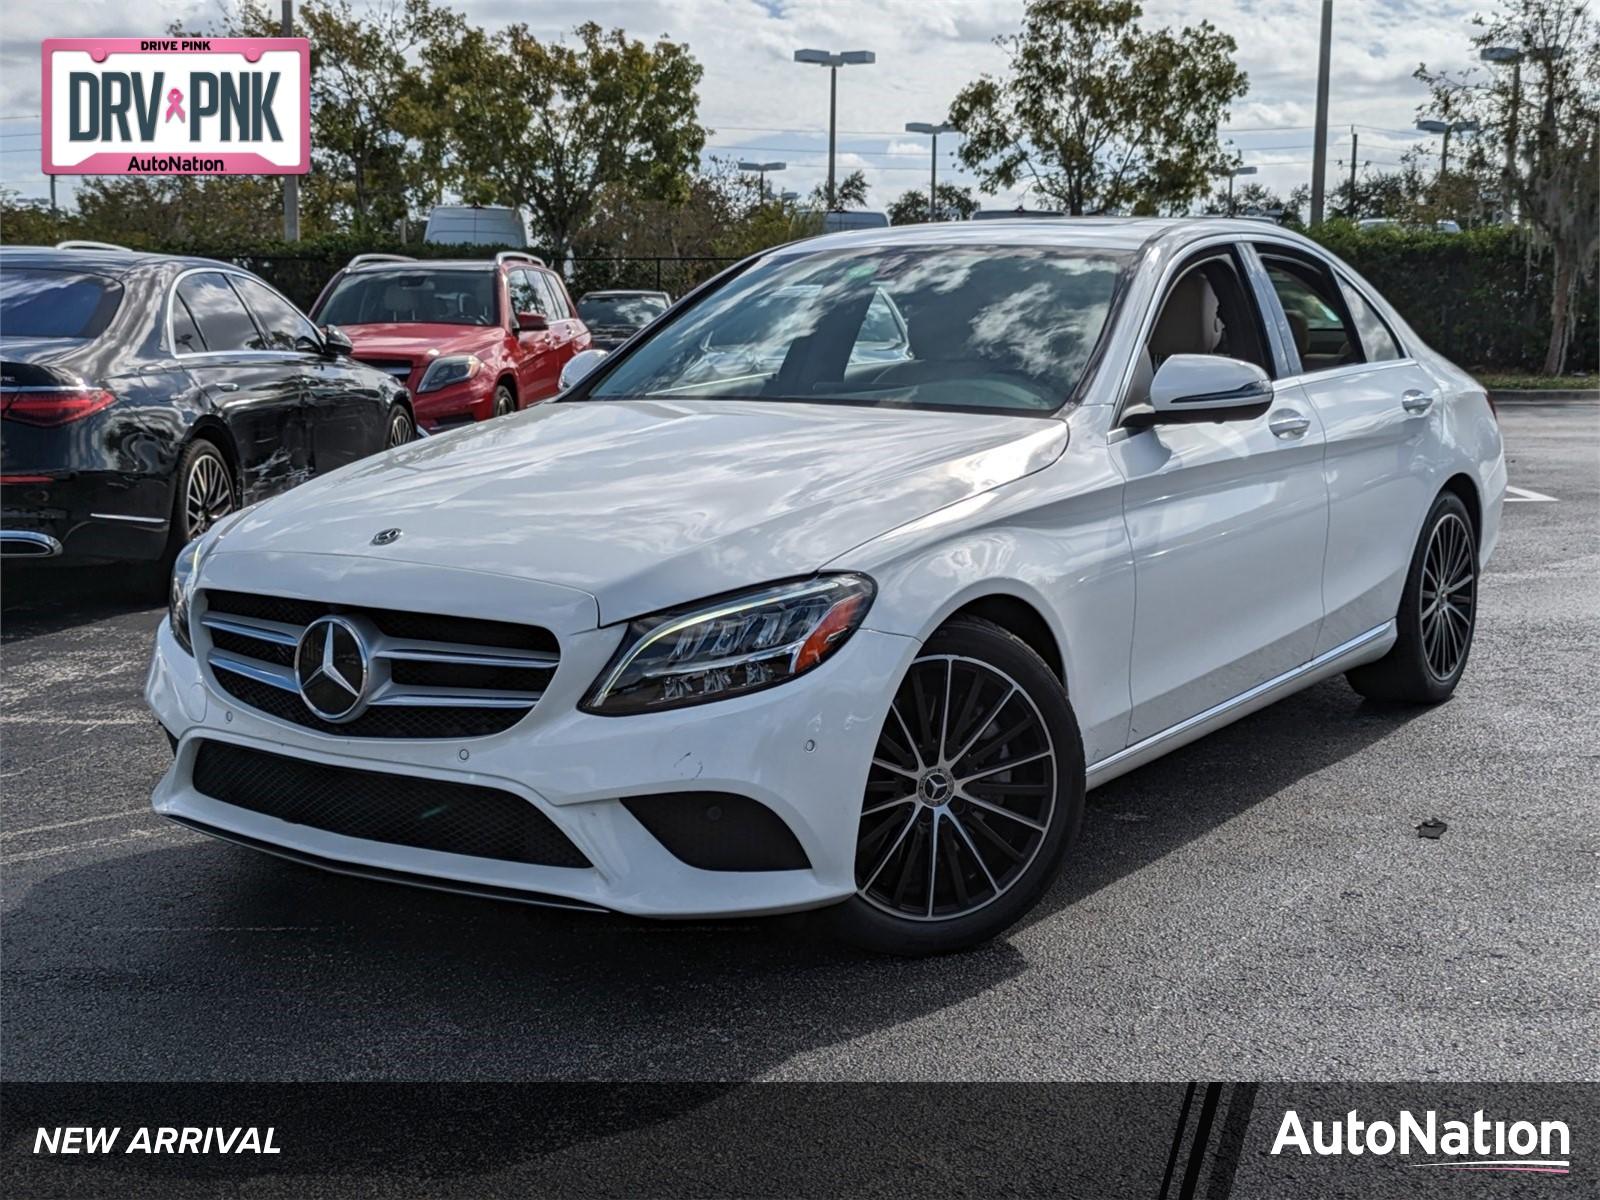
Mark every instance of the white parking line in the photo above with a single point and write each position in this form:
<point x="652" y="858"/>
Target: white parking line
<point x="127" y="812"/>
<point x="93" y="844"/>
<point x="1516" y="494"/>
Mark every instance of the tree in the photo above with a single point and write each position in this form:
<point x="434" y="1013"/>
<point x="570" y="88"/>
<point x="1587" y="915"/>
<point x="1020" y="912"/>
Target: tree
<point x="548" y="127"/>
<point x="955" y="204"/>
<point x="1098" y="114"/>
<point x="849" y="192"/>
<point x="1551" y="126"/>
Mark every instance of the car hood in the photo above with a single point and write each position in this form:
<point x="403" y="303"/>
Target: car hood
<point x="650" y="504"/>
<point x="392" y="340"/>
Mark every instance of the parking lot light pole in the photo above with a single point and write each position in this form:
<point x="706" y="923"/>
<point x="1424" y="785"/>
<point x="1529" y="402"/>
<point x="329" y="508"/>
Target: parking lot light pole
<point x="1230" y="173"/>
<point x="933" y="173"/>
<point x="761" y="170"/>
<point x="1514" y="55"/>
<point x="1446" y="128"/>
<point x="833" y="61"/>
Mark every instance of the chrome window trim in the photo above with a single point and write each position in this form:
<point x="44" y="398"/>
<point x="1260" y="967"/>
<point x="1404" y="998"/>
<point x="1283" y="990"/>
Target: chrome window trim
<point x="170" y="346"/>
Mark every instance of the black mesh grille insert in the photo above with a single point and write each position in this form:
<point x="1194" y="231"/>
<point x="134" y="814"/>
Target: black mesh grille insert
<point x="403" y="810"/>
<point x="379" y="721"/>
<point x="718" y="831"/>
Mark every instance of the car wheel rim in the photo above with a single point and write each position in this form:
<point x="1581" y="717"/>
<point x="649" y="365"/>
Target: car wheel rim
<point x="503" y="406"/>
<point x="208" y="495"/>
<point x="1449" y="592"/>
<point x="399" y="430"/>
<point x="960" y="794"/>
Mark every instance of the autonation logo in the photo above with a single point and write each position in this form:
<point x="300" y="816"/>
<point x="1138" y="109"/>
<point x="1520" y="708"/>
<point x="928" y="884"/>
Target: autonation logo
<point x="1476" y="1145"/>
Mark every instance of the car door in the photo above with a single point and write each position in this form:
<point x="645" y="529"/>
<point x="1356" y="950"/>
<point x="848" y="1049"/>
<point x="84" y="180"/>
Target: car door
<point x="1227" y="520"/>
<point x="1376" y="405"/>
<point x="531" y="346"/>
<point x="345" y="409"/>
<point x="259" y="393"/>
<point x="565" y="328"/>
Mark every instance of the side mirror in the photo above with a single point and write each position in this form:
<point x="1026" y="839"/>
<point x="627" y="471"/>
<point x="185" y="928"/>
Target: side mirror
<point x="1203" y="387"/>
<point x="532" y="322"/>
<point x="335" y="343"/>
<point x="579" y="365"/>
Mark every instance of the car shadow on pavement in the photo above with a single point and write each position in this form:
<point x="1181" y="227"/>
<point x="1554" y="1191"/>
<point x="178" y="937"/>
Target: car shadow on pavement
<point x="202" y="961"/>
<point x="41" y="600"/>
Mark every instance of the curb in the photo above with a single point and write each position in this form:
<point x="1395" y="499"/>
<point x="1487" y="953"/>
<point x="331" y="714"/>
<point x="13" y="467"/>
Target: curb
<point x="1544" y="396"/>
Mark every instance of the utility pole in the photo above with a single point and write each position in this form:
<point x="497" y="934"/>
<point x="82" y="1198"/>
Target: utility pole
<point x="1355" y="144"/>
<point x="1319" y="152"/>
<point x="291" y="183"/>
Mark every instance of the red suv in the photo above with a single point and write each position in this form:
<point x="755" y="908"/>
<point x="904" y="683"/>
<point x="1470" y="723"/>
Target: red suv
<point x="470" y="339"/>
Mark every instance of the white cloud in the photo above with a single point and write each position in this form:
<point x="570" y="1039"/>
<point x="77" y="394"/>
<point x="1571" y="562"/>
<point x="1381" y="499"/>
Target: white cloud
<point x="761" y="104"/>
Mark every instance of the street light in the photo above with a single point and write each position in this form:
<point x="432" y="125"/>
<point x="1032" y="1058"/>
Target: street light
<point x="933" y="173"/>
<point x="1500" y="56"/>
<point x="761" y="169"/>
<point x="833" y="61"/>
<point x="1230" y="173"/>
<point x="1446" y="128"/>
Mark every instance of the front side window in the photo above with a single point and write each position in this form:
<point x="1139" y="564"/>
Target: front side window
<point x="1007" y="328"/>
<point x="449" y="296"/>
<point x="1376" y="340"/>
<point x="37" y="302"/>
<point x="217" y="312"/>
<point x="524" y="295"/>
<point x="1323" y="336"/>
<point x="281" y="322"/>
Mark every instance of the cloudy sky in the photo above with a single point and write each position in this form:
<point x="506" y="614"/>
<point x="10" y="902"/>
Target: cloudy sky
<point x="764" y="106"/>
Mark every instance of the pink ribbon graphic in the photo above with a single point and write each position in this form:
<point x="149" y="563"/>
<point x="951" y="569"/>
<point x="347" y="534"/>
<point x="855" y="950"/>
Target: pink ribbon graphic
<point x="175" y="105"/>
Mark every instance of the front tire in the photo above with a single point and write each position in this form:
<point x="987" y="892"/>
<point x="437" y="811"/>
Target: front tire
<point x="1437" y="617"/>
<point x="505" y="403"/>
<point x="974" y="795"/>
<point x="401" y="427"/>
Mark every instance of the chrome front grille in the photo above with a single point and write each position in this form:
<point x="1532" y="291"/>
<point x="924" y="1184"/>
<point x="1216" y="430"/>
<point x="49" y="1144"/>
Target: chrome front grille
<point x="425" y="675"/>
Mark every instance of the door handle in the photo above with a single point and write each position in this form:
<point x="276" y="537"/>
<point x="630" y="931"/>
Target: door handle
<point x="223" y="387"/>
<point x="1288" y="424"/>
<point x="1416" y="402"/>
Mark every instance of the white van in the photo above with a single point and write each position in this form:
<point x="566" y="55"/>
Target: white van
<point x="475" y="225"/>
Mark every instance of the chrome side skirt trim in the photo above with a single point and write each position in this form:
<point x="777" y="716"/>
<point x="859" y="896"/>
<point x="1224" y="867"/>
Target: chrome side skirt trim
<point x="124" y="517"/>
<point x="1361" y="648"/>
<point x="27" y="543"/>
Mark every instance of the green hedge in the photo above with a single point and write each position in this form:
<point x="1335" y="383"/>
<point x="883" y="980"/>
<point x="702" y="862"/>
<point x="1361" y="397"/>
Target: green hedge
<point x="1481" y="298"/>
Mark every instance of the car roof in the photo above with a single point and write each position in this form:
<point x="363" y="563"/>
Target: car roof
<point x="1108" y="234"/>
<point x="100" y="262"/>
<point x="623" y="292"/>
<point x="425" y="264"/>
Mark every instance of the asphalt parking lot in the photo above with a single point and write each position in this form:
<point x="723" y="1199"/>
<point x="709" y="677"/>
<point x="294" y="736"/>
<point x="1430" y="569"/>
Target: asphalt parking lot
<point x="1256" y="906"/>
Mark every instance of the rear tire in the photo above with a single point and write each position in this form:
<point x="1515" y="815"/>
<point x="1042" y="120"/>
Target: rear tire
<point x="955" y="845"/>
<point x="1437" y="617"/>
<point x="204" y="492"/>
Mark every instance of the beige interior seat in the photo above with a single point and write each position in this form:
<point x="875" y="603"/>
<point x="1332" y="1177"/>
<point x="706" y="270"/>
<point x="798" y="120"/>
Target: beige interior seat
<point x="1188" y="324"/>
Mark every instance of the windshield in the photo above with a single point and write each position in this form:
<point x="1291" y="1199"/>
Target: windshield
<point x="992" y="327"/>
<point x="632" y="311"/>
<point x="446" y="297"/>
<point x="39" y="303"/>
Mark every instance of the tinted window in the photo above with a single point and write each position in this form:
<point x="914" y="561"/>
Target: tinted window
<point x="442" y="296"/>
<point x="186" y="337"/>
<point x="632" y="312"/>
<point x="40" y="303"/>
<point x="555" y="296"/>
<point x="996" y="327"/>
<point x="284" y="325"/>
<point x="525" y="297"/>
<point x="1376" y="339"/>
<point x="1322" y="336"/>
<point x="219" y="313"/>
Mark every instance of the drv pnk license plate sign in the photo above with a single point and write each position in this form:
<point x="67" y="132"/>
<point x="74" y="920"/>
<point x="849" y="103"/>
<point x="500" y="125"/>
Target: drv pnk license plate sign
<point x="177" y="106"/>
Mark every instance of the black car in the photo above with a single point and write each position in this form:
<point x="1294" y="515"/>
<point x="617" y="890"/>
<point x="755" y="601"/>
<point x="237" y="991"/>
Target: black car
<point x="143" y="396"/>
<point x="615" y="316"/>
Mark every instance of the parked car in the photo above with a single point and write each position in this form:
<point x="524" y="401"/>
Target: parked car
<point x="843" y="633"/>
<point x="145" y="396"/>
<point x="475" y="225"/>
<point x="615" y="315"/>
<point x="471" y="339"/>
<point x="840" y="219"/>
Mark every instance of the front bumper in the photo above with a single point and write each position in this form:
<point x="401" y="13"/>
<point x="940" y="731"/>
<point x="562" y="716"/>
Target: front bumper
<point x="802" y="749"/>
<point x="470" y="400"/>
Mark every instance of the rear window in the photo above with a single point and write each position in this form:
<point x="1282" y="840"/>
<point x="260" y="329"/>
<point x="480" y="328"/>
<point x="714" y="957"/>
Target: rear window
<point x="441" y="297"/>
<point x="36" y="302"/>
<point x="632" y="311"/>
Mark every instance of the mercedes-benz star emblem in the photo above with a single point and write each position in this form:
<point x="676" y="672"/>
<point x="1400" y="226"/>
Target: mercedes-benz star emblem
<point x="385" y="537"/>
<point x="330" y="665"/>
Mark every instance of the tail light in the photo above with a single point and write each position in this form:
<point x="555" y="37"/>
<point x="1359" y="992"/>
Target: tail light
<point x="54" y="407"/>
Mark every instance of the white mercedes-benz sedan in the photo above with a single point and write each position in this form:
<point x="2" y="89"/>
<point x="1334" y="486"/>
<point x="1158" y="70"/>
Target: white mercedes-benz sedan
<point x="840" y="585"/>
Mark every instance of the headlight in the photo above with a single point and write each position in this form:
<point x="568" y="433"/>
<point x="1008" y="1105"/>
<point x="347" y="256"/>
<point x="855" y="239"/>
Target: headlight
<point x="732" y="646"/>
<point x="184" y="573"/>
<point x="452" y="368"/>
